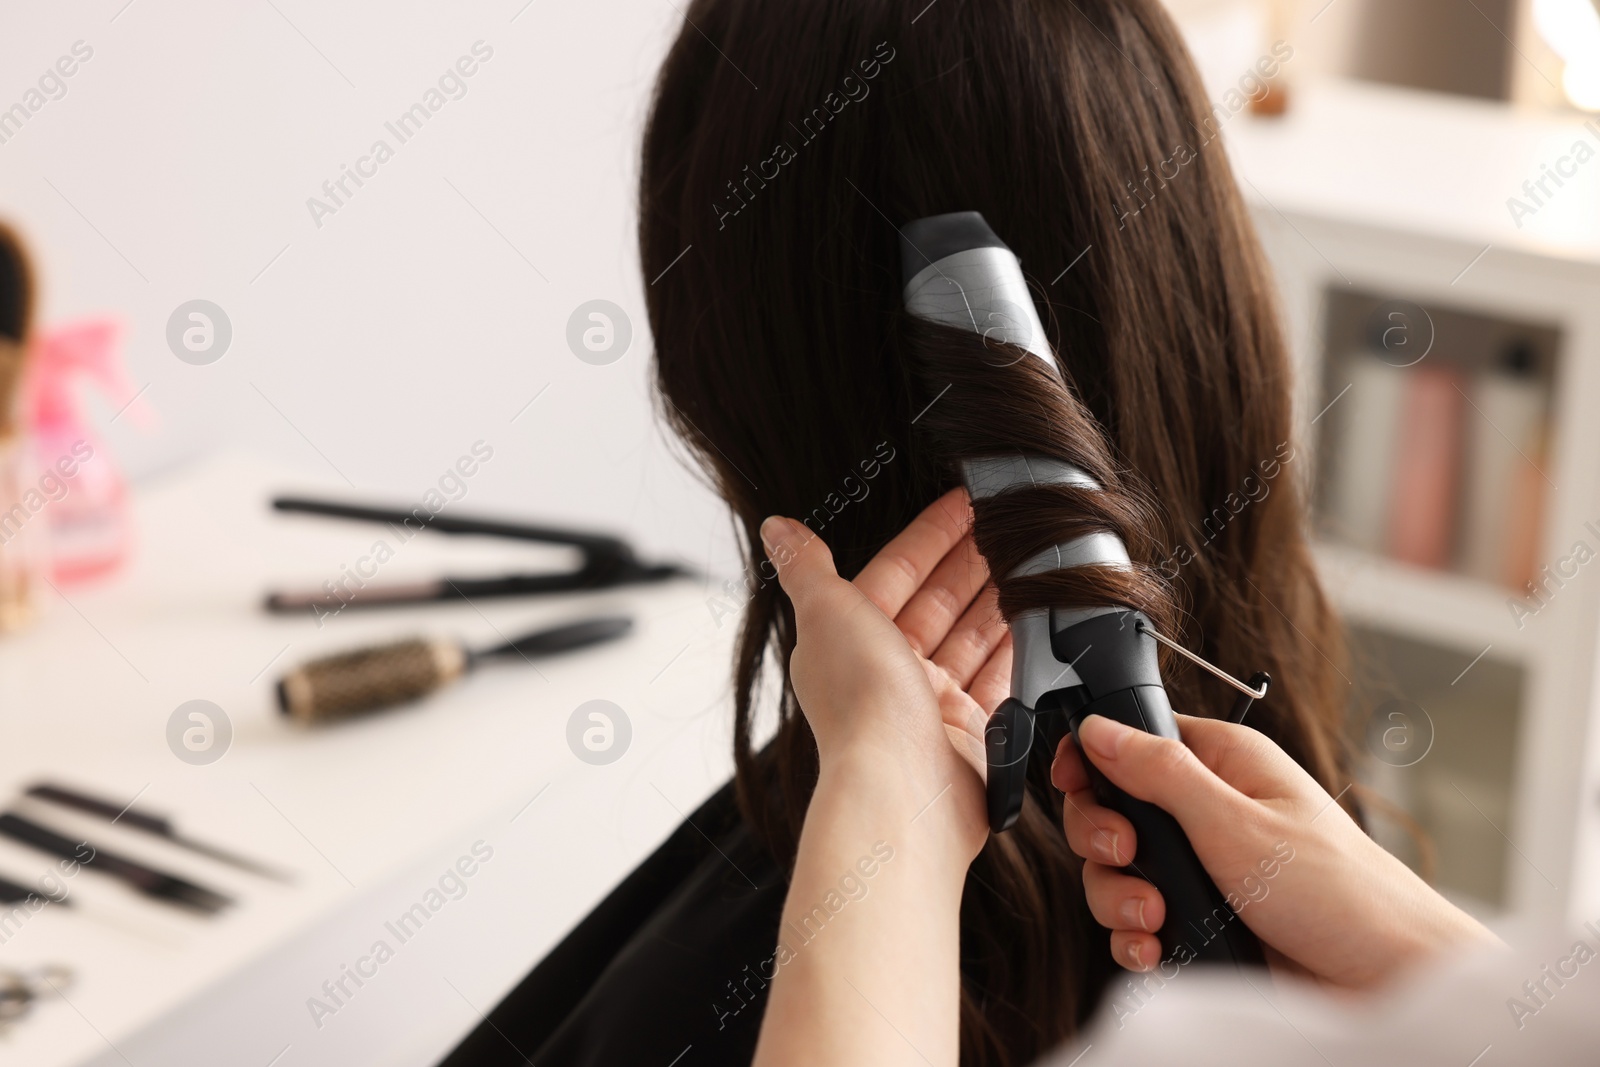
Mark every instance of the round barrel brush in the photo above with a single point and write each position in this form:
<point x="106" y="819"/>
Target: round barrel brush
<point x="369" y="679"/>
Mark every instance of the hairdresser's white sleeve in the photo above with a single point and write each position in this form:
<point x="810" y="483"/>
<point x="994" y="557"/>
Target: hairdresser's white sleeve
<point x="1535" y="1005"/>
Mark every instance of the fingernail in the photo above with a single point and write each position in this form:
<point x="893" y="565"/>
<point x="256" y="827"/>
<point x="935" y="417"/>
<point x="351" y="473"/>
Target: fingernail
<point x="1102" y="736"/>
<point x="1110" y="848"/>
<point x="1136" y="954"/>
<point x="775" y="531"/>
<point x="1133" y="912"/>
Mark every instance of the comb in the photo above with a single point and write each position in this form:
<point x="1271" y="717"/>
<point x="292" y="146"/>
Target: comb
<point x="158" y="885"/>
<point x="155" y="825"/>
<point x="17" y="893"/>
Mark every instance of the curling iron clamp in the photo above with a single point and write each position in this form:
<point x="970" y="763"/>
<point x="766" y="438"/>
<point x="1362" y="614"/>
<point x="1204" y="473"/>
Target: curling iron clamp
<point x="1070" y="661"/>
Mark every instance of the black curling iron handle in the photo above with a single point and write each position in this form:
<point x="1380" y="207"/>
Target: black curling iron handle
<point x="1199" y="924"/>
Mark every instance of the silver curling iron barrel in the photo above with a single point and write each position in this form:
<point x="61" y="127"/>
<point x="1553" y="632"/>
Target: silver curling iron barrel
<point x="1071" y="661"/>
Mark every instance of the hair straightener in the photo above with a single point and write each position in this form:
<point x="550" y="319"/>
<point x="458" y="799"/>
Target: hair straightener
<point x="1073" y="660"/>
<point x="606" y="561"/>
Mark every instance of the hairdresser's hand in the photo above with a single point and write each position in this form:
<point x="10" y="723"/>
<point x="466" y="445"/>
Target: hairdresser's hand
<point x="897" y="671"/>
<point x="1298" y="870"/>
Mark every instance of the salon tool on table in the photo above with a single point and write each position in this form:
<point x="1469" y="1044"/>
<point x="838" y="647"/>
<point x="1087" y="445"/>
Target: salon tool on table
<point x="15" y="896"/>
<point x="367" y="679"/>
<point x="1073" y="660"/>
<point x="153" y="883"/>
<point x="607" y="561"/>
<point x="20" y="990"/>
<point x="16" y="893"/>
<point x="158" y="825"/>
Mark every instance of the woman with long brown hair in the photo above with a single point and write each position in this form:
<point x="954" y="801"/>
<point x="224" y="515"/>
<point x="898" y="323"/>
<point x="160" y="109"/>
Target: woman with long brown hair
<point x="787" y="142"/>
<point x="784" y="359"/>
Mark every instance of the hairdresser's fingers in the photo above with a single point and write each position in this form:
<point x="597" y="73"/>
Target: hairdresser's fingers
<point x="1120" y="901"/>
<point x="1245" y="758"/>
<point x="935" y="609"/>
<point x="974" y="637"/>
<point x="1167" y="774"/>
<point x="992" y="683"/>
<point x="805" y="566"/>
<point x="1135" y="951"/>
<point x="1067" y="772"/>
<point x="956" y="707"/>
<point x="1096" y="833"/>
<point x="899" y="569"/>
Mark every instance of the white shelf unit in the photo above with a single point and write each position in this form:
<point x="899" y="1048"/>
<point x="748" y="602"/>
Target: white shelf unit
<point x="1404" y="194"/>
<point x="1421" y="603"/>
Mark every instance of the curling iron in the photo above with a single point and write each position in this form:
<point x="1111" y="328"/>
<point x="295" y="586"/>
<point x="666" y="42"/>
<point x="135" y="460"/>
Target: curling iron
<point x="1070" y="661"/>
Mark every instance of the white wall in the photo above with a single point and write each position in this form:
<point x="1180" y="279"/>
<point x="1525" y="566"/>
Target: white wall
<point x="1324" y="35"/>
<point x="405" y="327"/>
<point x="1344" y="38"/>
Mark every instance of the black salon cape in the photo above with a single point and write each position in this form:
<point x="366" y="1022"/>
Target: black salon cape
<point x="666" y="971"/>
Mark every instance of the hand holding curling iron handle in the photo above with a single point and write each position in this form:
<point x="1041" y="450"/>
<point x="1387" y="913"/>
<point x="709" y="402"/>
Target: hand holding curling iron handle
<point x="956" y="272"/>
<point x="1122" y="682"/>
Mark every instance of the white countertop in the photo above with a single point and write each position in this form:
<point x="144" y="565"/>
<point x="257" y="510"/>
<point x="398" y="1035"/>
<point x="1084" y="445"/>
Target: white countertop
<point x="369" y="814"/>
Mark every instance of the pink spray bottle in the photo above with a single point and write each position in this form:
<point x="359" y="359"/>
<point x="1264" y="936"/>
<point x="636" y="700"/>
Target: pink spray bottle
<point x="91" y="529"/>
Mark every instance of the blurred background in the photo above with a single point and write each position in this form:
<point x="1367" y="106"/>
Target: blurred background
<point x="240" y="295"/>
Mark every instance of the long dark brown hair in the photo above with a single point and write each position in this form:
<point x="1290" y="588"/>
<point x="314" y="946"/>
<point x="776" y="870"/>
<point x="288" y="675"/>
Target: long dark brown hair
<point x="787" y="142"/>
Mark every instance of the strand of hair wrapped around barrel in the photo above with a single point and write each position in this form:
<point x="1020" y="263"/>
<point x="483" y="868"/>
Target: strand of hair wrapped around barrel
<point x="998" y="400"/>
